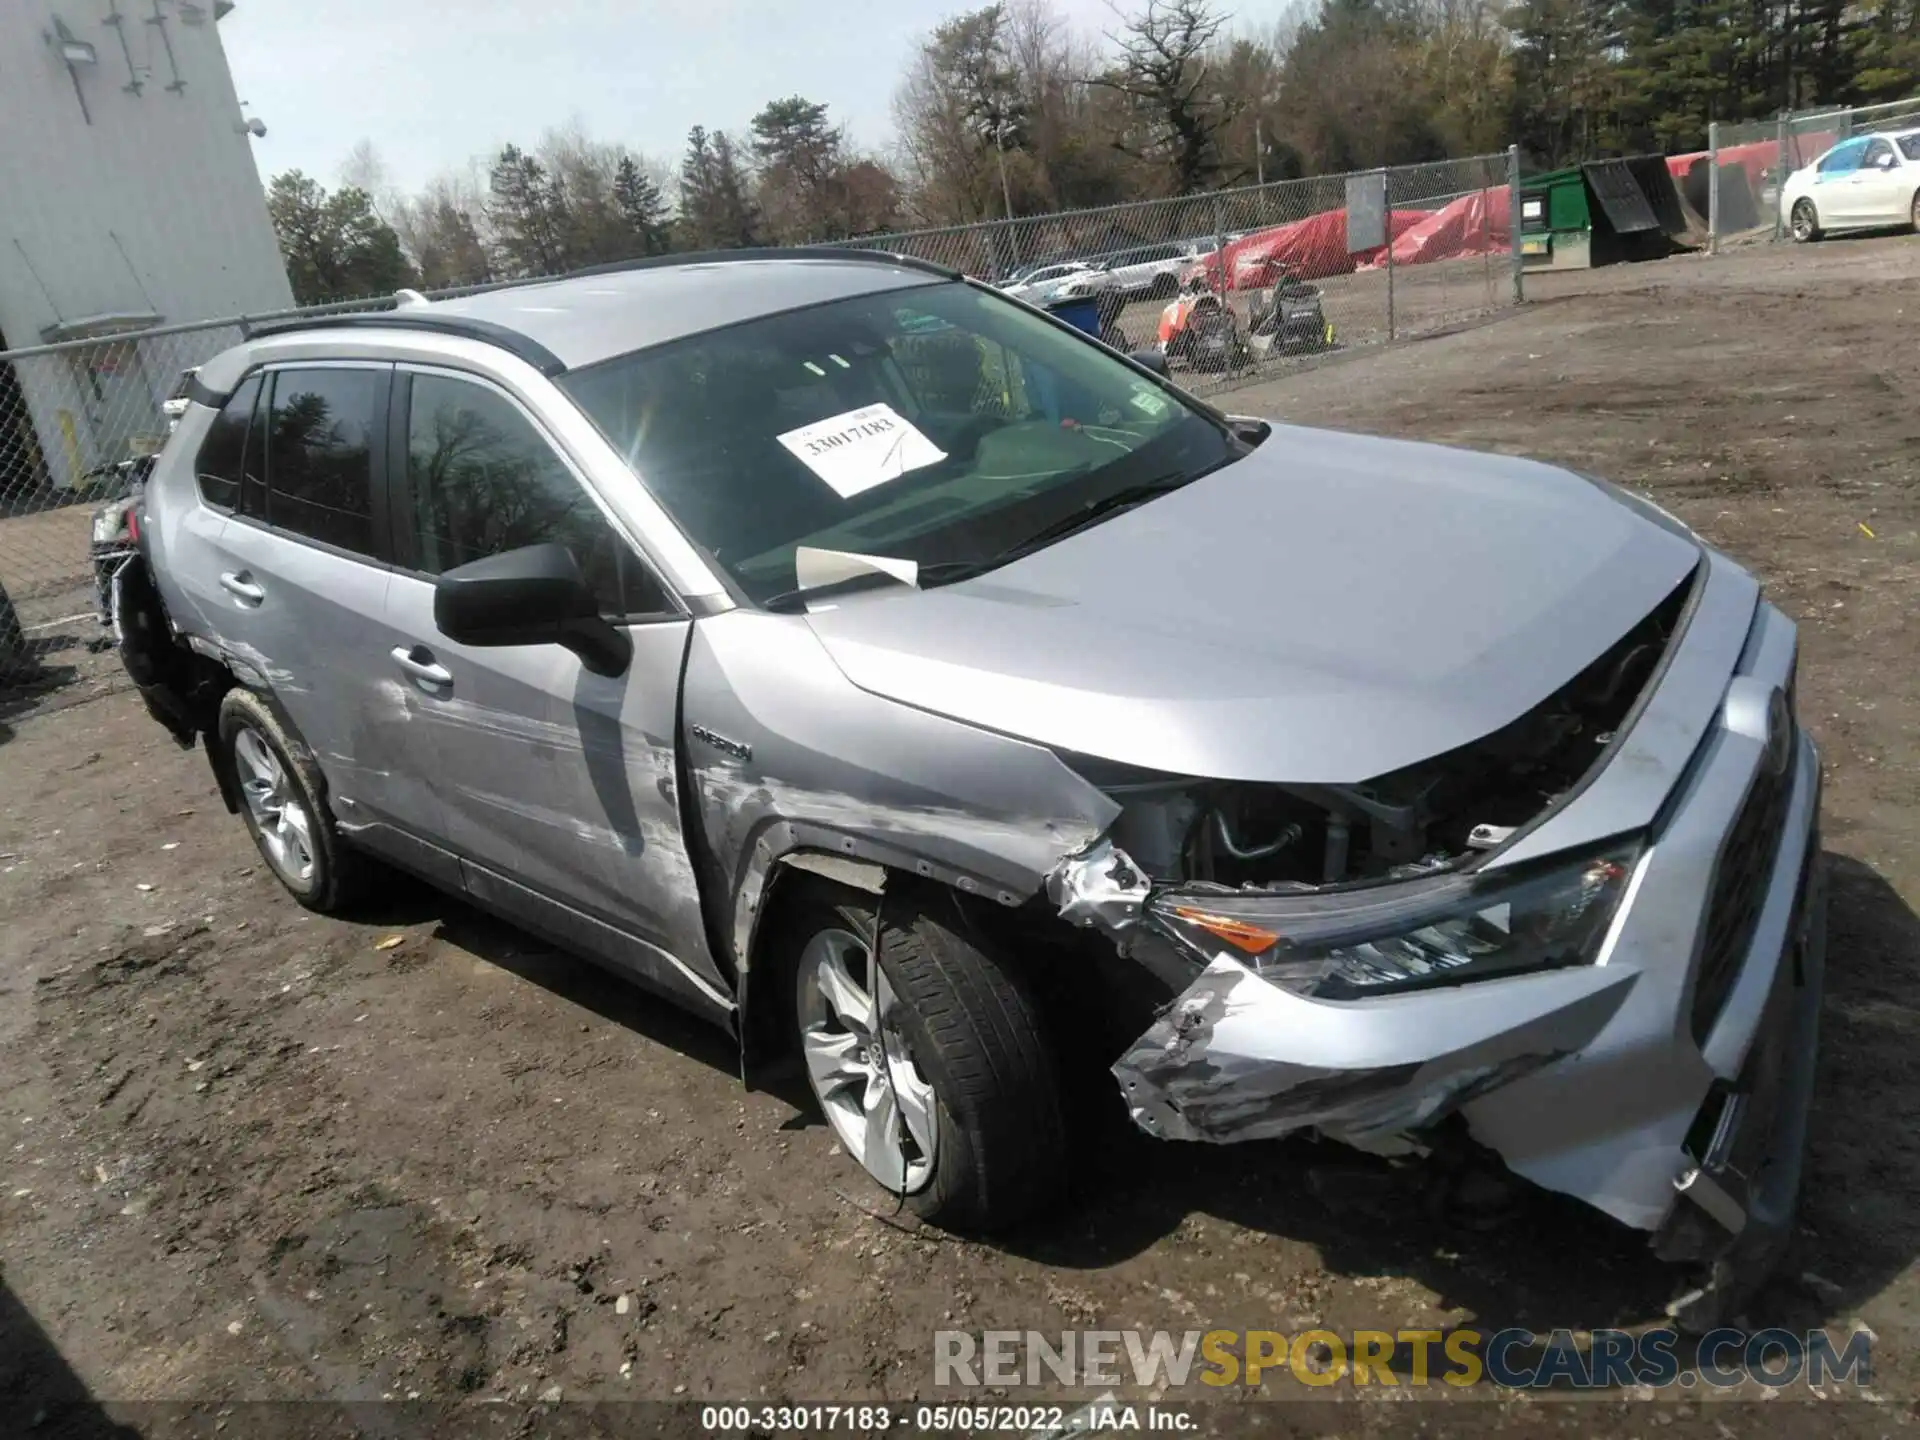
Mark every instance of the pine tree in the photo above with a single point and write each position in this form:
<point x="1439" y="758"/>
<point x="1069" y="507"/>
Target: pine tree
<point x="715" y="209"/>
<point x="527" y="213"/>
<point x="641" y="206"/>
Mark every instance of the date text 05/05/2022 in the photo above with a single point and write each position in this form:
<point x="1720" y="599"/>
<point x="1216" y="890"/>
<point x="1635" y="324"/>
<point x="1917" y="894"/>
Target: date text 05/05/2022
<point x="1098" y="1415"/>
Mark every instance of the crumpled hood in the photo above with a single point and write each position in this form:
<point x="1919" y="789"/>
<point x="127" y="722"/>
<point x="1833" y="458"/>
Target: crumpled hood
<point x="1328" y="609"/>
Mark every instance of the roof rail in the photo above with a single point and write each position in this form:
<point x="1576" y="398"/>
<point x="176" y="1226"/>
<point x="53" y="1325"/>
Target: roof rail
<point x="768" y="252"/>
<point x="423" y="317"/>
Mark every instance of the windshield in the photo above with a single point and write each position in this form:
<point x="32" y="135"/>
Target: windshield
<point x="940" y="424"/>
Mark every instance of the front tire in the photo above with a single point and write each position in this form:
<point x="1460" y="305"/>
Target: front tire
<point x="932" y="1070"/>
<point x="1804" y="222"/>
<point x="1913" y="213"/>
<point x="282" y="801"/>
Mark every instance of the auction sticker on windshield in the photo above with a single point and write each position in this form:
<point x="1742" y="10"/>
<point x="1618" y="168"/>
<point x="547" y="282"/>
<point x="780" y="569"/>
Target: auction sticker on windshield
<point x="859" y="449"/>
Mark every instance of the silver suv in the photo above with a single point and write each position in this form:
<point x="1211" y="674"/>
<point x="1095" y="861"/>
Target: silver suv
<point x="919" y="689"/>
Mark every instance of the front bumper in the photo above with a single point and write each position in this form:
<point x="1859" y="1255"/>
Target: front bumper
<point x="1667" y="1084"/>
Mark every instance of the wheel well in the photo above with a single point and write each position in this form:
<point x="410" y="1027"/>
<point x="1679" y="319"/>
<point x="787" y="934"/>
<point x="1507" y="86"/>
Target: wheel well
<point x="1100" y="999"/>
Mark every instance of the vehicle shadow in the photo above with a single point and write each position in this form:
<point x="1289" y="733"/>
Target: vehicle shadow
<point x="1529" y="1258"/>
<point x="39" y="1389"/>
<point x="24" y="688"/>
<point x="603" y="991"/>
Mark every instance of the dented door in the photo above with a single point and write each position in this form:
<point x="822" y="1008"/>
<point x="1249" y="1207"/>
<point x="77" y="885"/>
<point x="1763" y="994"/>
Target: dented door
<point x="560" y="780"/>
<point x="557" y="785"/>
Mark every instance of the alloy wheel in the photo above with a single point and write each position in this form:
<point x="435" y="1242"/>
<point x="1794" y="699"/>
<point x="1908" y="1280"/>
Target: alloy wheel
<point x="1803" y="221"/>
<point x="279" y="815"/>
<point x="868" y="1084"/>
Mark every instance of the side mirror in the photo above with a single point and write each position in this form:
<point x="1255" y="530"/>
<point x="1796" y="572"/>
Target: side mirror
<point x="531" y="596"/>
<point x="1886" y="162"/>
<point x="1154" y="360"/>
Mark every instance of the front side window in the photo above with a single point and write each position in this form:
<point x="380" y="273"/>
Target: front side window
<point x="483" y="480"/>
<point x="940" y="424"/>
<point x="1876" y="152"/>
<point x="320" y="436"/>
<point x="219" y="464"/>
<point x="1843" y="159"/>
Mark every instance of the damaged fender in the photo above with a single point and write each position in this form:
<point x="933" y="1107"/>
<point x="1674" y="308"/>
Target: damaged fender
<point x="854" y="777"/>
<point x="1237" y="1058"/>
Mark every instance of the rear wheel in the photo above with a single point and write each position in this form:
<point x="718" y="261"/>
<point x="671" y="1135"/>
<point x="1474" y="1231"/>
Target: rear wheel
<point x="283" y="805"/>
<point x="929" y="1065"/>
<point x="1913" y="213"/>
<point x="1804" y="222"/>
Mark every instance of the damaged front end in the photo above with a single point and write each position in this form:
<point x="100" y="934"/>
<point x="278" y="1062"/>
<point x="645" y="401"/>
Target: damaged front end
<point x="1265" y="1040"/>
<point x="1593" y="936"/>
<point x="1277" y="904"/>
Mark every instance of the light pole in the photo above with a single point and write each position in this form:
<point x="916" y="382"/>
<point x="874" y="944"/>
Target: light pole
<point x="1006" y="194"/>
<point x="999" y="149"/>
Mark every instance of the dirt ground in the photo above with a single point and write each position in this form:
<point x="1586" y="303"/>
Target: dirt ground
<point x="247" y="1154"/>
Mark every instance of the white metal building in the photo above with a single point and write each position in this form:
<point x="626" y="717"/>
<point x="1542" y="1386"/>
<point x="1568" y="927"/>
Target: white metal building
<point x="129" y="199"/>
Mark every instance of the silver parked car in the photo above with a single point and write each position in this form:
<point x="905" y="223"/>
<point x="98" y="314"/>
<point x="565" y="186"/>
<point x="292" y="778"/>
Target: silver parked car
<point x="905" y="681"/>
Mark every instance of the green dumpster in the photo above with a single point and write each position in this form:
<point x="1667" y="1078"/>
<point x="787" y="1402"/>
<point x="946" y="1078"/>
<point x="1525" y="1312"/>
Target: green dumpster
<point x="1556" y="225"/>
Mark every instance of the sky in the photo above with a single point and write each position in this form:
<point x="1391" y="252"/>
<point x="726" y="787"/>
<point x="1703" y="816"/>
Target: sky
<point x="435" y="83"/>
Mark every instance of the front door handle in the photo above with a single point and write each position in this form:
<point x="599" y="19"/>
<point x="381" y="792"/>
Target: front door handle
<point x="419" y="663"/>
<point x="239" y="584"/>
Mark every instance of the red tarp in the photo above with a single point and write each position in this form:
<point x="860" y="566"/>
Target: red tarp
<point x="1310" y="249"/>
<point x="1474" y="224"/>
<point x="1756" y="158"/>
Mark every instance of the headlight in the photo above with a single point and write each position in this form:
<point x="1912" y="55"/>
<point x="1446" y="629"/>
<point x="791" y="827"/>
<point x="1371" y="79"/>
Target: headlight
<point x="1389" y="938"/>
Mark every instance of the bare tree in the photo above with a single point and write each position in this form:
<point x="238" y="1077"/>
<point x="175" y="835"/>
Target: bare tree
<point x="1163" y="69"/>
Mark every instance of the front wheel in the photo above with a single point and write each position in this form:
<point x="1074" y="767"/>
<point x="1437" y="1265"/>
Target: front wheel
<point x="1913" y="213"/>
<point x="1805" y="222"/>
<point x="929" y="1064"/>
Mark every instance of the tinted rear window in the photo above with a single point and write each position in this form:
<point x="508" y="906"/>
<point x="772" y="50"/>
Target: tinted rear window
<point x="320" y="455"/>
<point x="222" y="454"/>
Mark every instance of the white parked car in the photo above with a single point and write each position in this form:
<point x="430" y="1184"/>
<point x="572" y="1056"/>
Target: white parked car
<point x="1868" y="182"/>
<point x="1152" y="271"/>
<point x="1038" y="282"/>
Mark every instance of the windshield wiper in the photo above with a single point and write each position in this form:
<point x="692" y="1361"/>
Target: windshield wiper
<point x="798" y="596"/>
<point x="946" y="572"/>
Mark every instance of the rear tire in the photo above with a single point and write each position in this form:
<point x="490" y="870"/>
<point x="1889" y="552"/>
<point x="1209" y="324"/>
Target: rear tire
<point x="1913" y="213"/>
<point x="283" y="802"/>
<point x="1804" y="222"/>
<point x="951" y="1037"/>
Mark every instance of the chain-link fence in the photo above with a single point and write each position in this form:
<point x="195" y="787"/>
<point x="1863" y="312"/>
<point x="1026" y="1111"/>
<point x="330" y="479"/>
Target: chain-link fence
<point x="1288" y="270"/>
<point x="1232" y="286"/>
<point x="1746" y="164"/>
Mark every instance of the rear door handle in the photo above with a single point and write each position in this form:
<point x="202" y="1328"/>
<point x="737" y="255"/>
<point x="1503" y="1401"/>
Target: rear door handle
<point x="419" y="663"/>
<point x="239" y="584"/>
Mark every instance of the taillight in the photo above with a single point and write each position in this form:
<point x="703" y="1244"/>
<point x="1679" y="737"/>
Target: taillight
<point x="133" y="526"/>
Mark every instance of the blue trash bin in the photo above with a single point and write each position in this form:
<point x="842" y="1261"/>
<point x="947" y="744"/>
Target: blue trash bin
<point x="1080" y="311"/>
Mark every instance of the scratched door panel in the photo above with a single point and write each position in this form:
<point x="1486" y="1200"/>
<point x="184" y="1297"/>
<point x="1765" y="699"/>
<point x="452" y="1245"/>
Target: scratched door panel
<point x="561" y="779"/>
